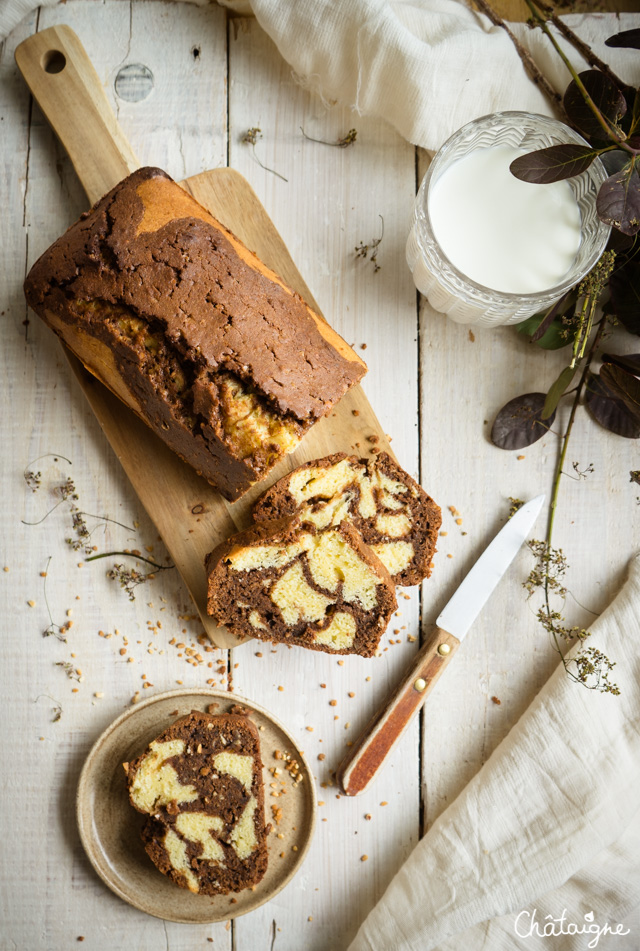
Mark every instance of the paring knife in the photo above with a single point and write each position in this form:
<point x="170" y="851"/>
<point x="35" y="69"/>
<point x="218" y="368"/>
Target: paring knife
<point x="368" y="753"/>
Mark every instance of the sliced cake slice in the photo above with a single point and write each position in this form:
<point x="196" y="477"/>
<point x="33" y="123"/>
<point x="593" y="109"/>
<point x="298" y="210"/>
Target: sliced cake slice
<point x="200" y="783"/>
<point x="280" y="582"/>
<point x="394" y="515"/>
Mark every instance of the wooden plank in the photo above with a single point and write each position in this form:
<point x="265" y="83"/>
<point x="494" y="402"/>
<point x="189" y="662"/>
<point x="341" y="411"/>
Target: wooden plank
<point x="467" y="375"/>
<point x="60" y="897"/>
<point x="331" y="203"/>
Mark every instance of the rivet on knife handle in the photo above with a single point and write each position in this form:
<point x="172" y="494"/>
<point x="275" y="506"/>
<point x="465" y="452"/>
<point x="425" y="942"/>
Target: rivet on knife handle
<point x="380" y="736"/>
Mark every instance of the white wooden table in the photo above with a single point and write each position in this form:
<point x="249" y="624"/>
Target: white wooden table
<point x="435" y="387"/>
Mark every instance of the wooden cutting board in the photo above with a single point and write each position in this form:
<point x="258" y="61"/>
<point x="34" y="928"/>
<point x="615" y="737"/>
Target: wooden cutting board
<point x="190" y="515"/>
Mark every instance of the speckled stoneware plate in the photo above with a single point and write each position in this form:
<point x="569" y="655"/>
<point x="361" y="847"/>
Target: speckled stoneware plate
<point x="110" y="827"/>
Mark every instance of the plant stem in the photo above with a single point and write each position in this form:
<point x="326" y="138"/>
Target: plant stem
<point x="610" y="131"/>
<point x="534" y="74"/>
<point x="579" y="45"/>
<point x="567" y="434"/>
<point x="129" y="554"/>
<point x="556" y="485"/>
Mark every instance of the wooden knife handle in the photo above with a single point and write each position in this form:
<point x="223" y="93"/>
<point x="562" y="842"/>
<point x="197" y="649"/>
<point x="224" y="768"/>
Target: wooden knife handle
<point x="378" y="739"/>
<point x="68" y="90"/>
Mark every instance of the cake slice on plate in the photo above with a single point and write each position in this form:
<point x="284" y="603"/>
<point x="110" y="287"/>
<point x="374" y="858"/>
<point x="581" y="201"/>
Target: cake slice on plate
<point x="200" y="783"/>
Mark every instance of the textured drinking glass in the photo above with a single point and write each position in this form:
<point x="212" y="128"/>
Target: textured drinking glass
<point x="450" y="291"/>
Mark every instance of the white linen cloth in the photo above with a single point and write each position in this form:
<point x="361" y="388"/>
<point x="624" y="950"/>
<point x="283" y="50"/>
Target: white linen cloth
<point x="426" y="66"/>
<point x="550" y="823"/>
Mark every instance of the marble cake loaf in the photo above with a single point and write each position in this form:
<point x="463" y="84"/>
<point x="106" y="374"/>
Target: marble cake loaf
<point x="394" y="515"/>
<point x="200" y="782"/>
<point x="281" y="582"/>
<point x="224" y="361"/>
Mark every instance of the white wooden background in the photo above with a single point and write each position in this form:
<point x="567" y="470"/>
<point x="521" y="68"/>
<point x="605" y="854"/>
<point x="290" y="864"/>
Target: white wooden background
<point x="435" y="388"/>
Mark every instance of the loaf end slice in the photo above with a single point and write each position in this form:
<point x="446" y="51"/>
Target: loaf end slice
<point x="200" y="784"/>
<point x="394" y="515"/>
<point x="280" y="582"/>
<point x="191" y="330"/>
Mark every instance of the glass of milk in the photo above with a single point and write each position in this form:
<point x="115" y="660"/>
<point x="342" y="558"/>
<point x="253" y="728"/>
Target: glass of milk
<point x="487" y="248"/>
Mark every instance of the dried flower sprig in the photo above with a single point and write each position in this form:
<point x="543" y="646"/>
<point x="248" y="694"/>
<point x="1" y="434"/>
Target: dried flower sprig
<point x="515" y="505"/>
<point x="73" y="673"/>
<point x="56" y="711"/>
<point x="370" y="251"/>
<point x="59" y="631"/>
<point x="581" y="473"/>
<point x="590" y="667"/>
<point x="130" y="578"/>
<point x="251" y="137"/>
<point x="342" y="143"/>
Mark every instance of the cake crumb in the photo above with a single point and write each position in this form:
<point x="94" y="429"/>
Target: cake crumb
<point x="368" y="816"/>
<point x="521" y="457"/>
<point x="363" y="858"/>
<point x="333" y="703"/>
<point x="384" y="803"/>
<point x="496" y="701"/>
<point x="321" y="756"/>
<point x="351" y="693"/>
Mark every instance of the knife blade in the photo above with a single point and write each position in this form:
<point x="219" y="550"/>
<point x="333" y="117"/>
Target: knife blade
<point x="368" y="753"/>
<point x="476" y="589"/>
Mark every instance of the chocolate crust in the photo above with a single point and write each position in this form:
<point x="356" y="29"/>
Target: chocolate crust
<point x="168" y="308"/>
<point x="423" y="513"/>
<point x="235" y="597"/>
<point x="220" y="796"/>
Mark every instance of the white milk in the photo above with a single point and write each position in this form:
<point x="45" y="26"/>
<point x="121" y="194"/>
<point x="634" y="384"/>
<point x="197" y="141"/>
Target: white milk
<point x="508" y="235"/>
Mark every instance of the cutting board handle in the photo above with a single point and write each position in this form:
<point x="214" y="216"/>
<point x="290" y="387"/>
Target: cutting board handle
<point x="67" y="88"/>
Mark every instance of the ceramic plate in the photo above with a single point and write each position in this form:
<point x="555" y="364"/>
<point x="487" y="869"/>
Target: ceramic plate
<point x="110" y="827"/>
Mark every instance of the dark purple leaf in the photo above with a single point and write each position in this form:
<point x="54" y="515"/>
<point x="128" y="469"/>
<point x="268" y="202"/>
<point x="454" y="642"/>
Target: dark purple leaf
<point x="630" y="362"/>
<point x="624" y="285"/>
<point x="519" y="424"/>
<point x="608" y="410"/>
<point x="627" y="39"/>
<point x="552" y="164"/>
<point x="634" y="142"/>
<point x="556" y="391"/>
<point x="605" y="95"/>
<point x="618" y="202"/>
<point x="624" y="386"/>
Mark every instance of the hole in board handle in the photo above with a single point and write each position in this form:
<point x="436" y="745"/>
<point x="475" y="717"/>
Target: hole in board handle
<point x="54" y="61"/>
